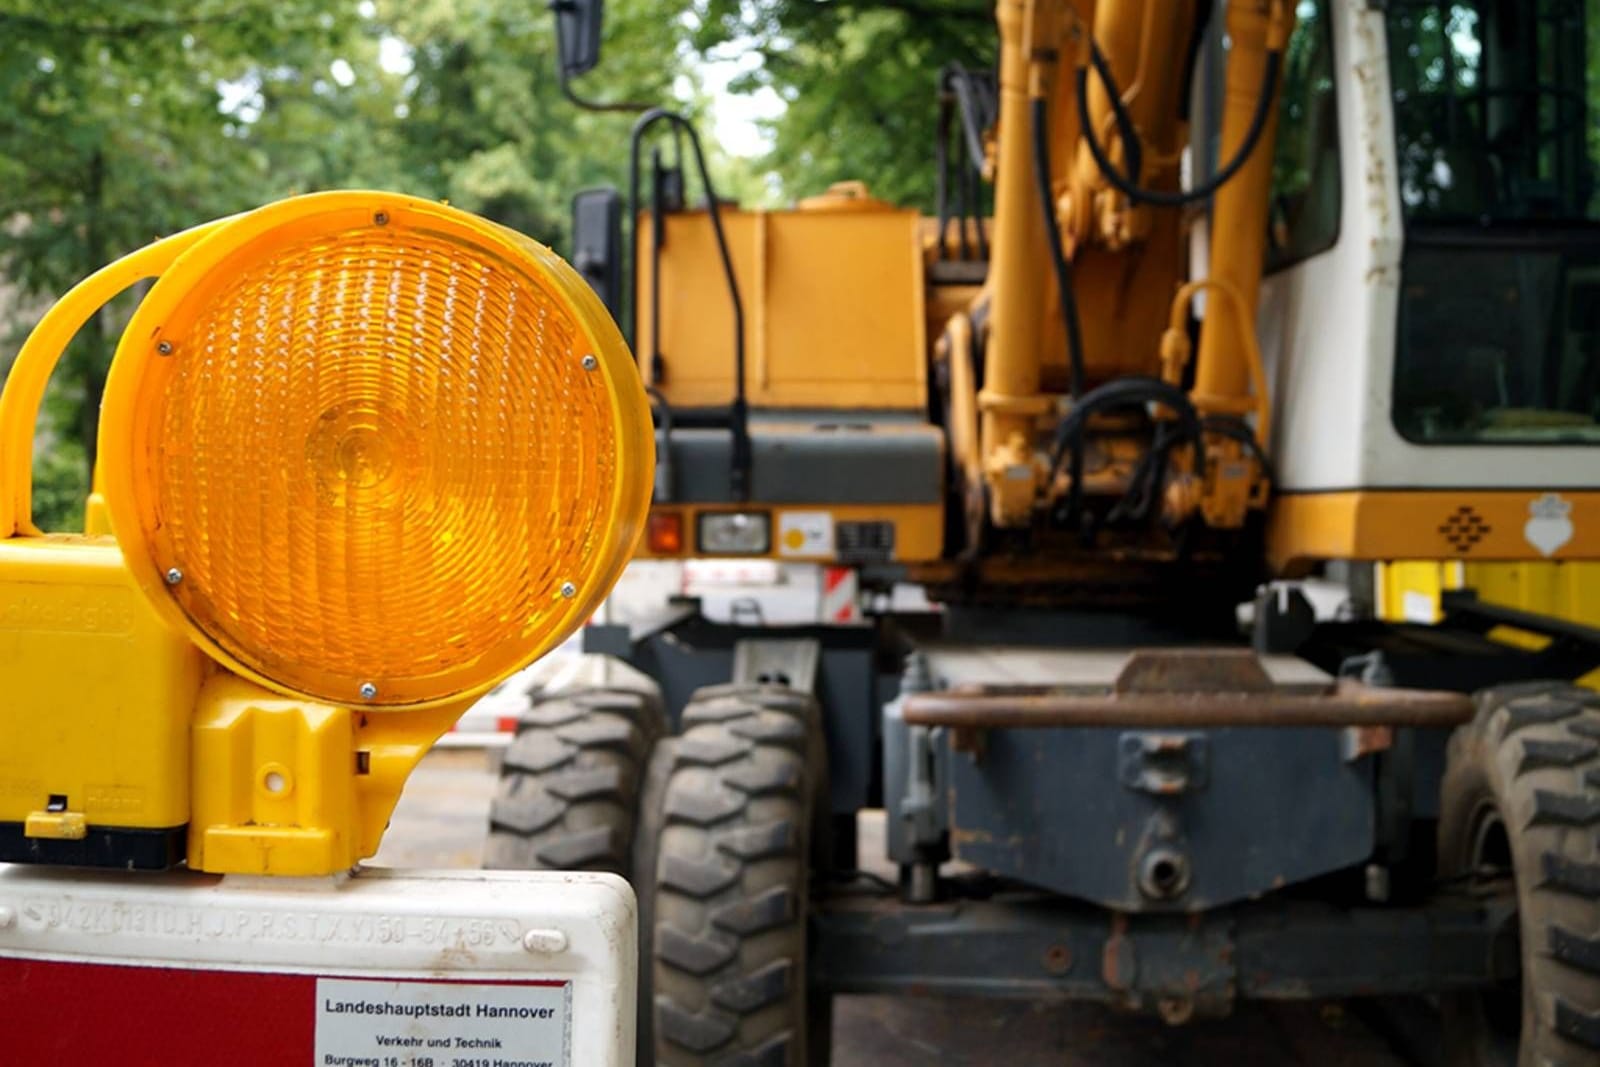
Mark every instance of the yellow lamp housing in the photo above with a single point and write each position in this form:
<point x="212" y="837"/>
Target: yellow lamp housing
<point x="370" y="455"/>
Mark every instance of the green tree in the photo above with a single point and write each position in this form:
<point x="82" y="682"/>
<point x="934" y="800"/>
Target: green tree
<point x="122" y="120"/>
<point x="860" y="82"/>
<point x="484" y="123"/>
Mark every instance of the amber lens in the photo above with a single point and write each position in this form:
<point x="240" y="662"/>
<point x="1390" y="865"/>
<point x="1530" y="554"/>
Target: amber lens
<point x="374" y="456"/>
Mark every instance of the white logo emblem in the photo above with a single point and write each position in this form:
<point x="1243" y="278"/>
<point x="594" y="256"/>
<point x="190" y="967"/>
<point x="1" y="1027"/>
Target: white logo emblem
<point x="1550" y="524"/>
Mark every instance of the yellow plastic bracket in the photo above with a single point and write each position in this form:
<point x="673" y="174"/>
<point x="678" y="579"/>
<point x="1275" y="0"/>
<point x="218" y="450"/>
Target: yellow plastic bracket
<point x="291" y="787"/>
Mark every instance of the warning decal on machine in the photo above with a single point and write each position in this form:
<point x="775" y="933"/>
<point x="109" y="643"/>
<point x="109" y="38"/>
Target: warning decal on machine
<point x="805" y="533"/>
<point x="366" y="1023"/>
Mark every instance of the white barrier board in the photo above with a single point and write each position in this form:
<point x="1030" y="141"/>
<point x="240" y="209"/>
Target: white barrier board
<point x="378" y="969"/>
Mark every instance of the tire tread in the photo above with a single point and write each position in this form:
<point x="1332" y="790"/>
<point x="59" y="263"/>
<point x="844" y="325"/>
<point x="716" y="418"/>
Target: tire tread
<point x="1533" y="749"/>
<point x="729" y="926"/>
<point x="569" y="782"/>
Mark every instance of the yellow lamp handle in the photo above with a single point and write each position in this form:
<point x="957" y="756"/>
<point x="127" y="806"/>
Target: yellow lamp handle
<point x="36" y="362"/>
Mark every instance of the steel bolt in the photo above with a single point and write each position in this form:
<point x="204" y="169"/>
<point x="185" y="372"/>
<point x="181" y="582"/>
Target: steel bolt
<point x="164" y="347"/>
<point x="590" y="363"/>
<point x="1164" y="873"/>
<point x="568" y="590"/>
<point x="1058" y="959"/>
<point x="174" y="576"/>
<point x="381" y="218"/>
<point x="368" y="690"/>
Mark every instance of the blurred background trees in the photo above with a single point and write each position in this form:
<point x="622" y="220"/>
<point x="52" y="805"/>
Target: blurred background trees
<point x="858" y="79"/>
<point x="124" y="120"/>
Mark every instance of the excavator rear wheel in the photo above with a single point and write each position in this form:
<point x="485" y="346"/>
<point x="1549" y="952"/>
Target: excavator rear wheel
<point x="1521" y="817"/>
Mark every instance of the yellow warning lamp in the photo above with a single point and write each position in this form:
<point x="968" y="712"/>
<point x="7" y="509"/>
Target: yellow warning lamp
<point x="371" y="455"/>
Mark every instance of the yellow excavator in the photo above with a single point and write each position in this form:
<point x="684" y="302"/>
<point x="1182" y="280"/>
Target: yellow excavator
<point x="1273" y="296"/>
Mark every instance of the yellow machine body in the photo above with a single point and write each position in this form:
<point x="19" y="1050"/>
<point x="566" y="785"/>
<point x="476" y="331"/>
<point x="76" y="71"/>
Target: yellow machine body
<point x="1439" y="524"/>
<point x="1410" y="590"/>
<point x="834" y="308"/>
<point x="852" y="305"/>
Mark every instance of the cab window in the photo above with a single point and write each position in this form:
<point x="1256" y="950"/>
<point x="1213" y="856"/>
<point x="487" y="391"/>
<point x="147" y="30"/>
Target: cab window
<point x="1304" y="216"/>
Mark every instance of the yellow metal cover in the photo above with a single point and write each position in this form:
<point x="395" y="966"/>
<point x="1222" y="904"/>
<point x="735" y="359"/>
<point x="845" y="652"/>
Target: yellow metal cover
<point x="833" y="309"/>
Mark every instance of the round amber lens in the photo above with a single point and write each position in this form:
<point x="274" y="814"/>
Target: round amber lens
<point x="377" y="451"/>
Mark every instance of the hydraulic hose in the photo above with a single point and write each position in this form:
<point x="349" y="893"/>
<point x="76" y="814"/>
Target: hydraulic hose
<point x="1132" y="146"/>
<point x="1129" y="187"/>
<point x="1058" y="256"/>
<point x="739" y="410"/>
<point x="1120" y="392"/>
<point x="1236" y="429"/>
<point x="663" y="485"/>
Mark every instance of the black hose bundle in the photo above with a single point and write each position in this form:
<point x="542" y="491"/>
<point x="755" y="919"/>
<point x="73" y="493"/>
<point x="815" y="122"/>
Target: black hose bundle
<point x="1127" y="184"/>
<point x="969" y="95"/>
<point x="1236" y="429"/>
<point x="1149" y="475"/>
<point x="1126" y="393"/>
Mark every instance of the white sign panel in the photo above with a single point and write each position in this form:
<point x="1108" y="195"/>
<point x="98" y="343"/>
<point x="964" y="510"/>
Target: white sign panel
<point x="376" y="968"/>
<point x="442" y="1024"/>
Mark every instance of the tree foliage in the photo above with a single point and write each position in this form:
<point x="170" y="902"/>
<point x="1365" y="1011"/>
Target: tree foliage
<point x="123" y="120"/>
<point x="112" y="131"/>
<point x="860" y="81"/>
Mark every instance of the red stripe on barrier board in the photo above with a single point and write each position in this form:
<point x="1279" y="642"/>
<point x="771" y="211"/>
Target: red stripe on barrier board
<point x="61" y="1014"/>
<point x="56" y="1013"/>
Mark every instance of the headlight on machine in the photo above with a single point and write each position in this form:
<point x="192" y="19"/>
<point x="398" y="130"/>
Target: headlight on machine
<point x="735" y="533"/>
